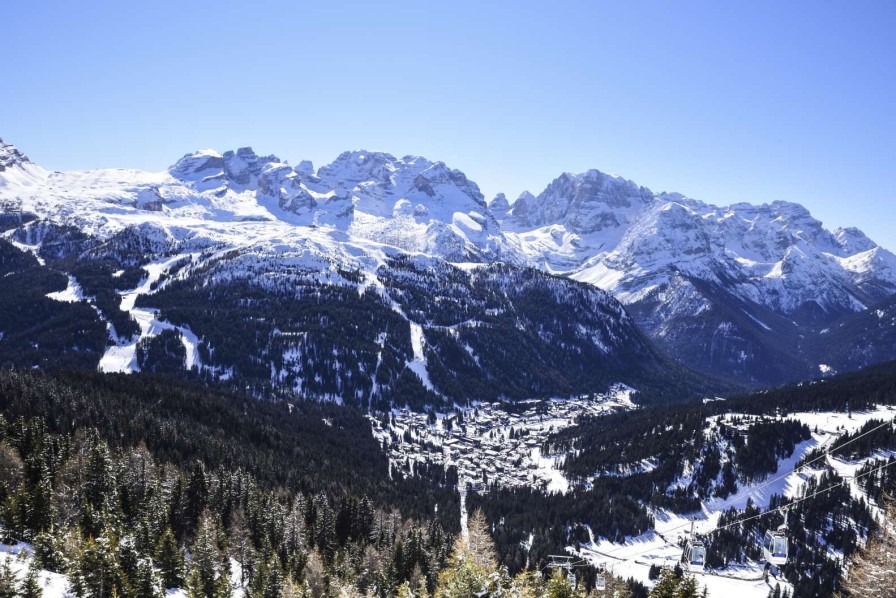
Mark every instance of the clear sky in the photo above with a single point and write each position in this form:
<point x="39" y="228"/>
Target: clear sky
<point x="723" y="101"/>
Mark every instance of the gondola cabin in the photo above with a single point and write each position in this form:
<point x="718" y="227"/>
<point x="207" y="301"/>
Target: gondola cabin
<point x="600" y="582"/>
<point x="774" y="547"/>
<point x="694" y="557"/>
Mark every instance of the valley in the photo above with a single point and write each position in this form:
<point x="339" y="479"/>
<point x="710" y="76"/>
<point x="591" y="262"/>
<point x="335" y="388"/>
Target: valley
<point x="486" y="445"/>
<point x="580" y="366"/>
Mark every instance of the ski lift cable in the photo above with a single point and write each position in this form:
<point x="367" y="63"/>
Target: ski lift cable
<point x="797" y="469"/>
<point x="805" y="498"/>
<point x="777" y="509"/>
<point x="804" y="465"/>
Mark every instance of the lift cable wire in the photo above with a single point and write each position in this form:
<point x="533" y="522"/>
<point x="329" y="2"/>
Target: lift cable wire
<point x="752" y="489"/>
<point x="777" y="509"/>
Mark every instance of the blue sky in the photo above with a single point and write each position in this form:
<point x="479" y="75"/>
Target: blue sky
<point x="723" y="101"/>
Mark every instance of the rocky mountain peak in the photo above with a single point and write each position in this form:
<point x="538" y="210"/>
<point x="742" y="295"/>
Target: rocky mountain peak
<point x="499" y="206"/>
<point x="586" y="202"/>
<point x="240" y="168"/>
<point x="244" y="166"/>
<point x="11" y="156"/>
<point x="359" y="166"/>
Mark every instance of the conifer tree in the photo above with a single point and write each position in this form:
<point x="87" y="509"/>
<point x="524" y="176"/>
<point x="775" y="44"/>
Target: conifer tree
<point x="688" y="588"/>
<point x="196" y="494"/>
<point x="206" y="578"/>
<point x="315" y="580"/>
<point x="527" y="584"/>
<point x="667" y="586"/>
<point x="170" y="560"/>
<point x="241" y="544"/>
<point x="267" y="580"/>
<point x="8" y="580"/>
<point x="30" y="587"/>
<point x="96" y="573"/>
<point x="472" y="568"/>
<point x="148" y="580"/>
<point x="559" y="586"/>
<point x="874" y="568"/>
<point x="49" y="549"/>
<point x="11" y="470"/>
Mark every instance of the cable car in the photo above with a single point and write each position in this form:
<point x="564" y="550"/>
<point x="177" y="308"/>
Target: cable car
<point x="694" y="556"/>
<point x="600" y="582"/>
<point x="774" y="547"/>
<point x="571" y="578"/>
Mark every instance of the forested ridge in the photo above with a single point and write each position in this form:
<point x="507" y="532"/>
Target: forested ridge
<point x="302" y="445"/>
<point x="331" y="331"/>
<point x="116" y="479"/>
<point x="132" y="484"/>
<point x="750" y="435"/>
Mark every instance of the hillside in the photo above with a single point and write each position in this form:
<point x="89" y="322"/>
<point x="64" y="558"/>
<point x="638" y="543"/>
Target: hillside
<point x="742" y="292"/>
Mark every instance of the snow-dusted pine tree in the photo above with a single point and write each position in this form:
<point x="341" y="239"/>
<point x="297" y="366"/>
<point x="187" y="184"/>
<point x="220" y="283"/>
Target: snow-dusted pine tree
<point x="874" y="569"/>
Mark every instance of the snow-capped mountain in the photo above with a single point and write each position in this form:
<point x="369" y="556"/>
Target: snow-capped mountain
<point x="370" y="280"/>
<point x="739" y="289"/>
<point x="575" y="218"/>
<point x="410" y="203"/>
<point x="16" y="170"/>
<point x="743" y="291"/>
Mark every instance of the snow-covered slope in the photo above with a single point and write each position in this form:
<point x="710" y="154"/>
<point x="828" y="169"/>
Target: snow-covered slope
<point x="410" y="203"/>
<point x="373" y="279"/>
<point x="776" y="255"/>
<point x="576" y="218"/>
<point x="740" y="289"/>
<point x="16" y="170"/>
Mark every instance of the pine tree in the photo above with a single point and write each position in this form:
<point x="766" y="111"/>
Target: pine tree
<point x="527" y="584"/>
<point x="96" y="572"/>
<point x="38" y="504"/>
<point x="99" y="483"/>
<point x="170" y="560"/>
<point x="472" y="568"/>
<point x="31" y="584"/>
<point x="267" y="580"/>
<point x="128" y="559"/>
<point x="241" y="544"/>
<point x="479" y="542"/>
<point x="874" y="567"/>
<point x="667" y="586"/>
<point x="206" y="578"/>
<point x="325" y="529"/>
<point x="688" y="588"/>
<point x="148" y="580"/>
<point x="559" y="586"/>
<point x="8" y="580"/>
<point x="49" y="548"/>
<point x="196" y="493"/>
<point x="291" y="589"/>
<point x="314" y="576"/>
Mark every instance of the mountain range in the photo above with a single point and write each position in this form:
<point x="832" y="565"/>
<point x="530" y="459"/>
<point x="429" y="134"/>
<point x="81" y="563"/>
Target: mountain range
<point x="377" y="278"/>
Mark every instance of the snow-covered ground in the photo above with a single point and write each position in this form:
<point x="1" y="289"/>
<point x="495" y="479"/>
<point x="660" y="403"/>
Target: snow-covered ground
<point x="71" y="294"/>
<point x="660" y="545"/>
<point x="56" y="585"/>
<point x="418" y="364"/>
<point x="122" y="355"/>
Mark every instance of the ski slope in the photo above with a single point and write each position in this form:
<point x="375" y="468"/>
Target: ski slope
<point x="659" y="546"/>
